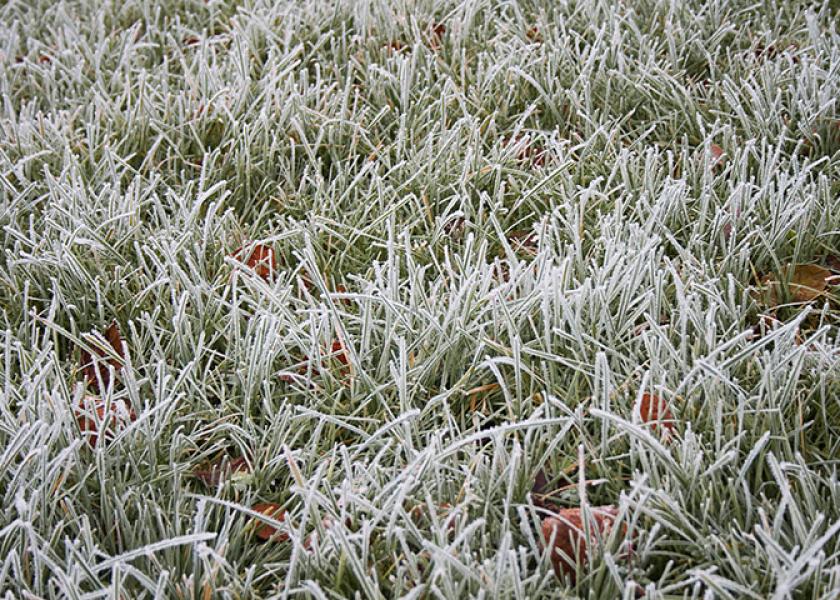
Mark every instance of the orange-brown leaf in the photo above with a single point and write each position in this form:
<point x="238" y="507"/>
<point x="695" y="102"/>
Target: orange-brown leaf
<point x="91" y="418"/>
<point x="806" y="283"/>
<point x="339" y="353"/>
<point x="266" y="531"/>
<point x="421" y="513"/>
<point x="569" y="540"/>
<point x="215" y="473"/>
<point x="97" y="370"/>
<point x="654" y="410"/>
<point x="528" y="151"/>
<point x="534" y="34"/>
<point x="436" y="33"/>
<point x="261" y="260"/>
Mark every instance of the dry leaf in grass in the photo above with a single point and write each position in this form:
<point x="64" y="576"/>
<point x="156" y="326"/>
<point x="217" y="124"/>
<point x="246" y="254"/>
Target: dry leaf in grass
<point x="395" y="46"/>
<point x="266" y="531"/>
<point x="771" y="51"/>
<point x="717" y="157"/>
<point x="542" y="492"/>
<point x="805" y="283"/>
<point x="314" y="539"/>
<point x="526" y="241"/>
<point x="444" y="511"/>
<point x="528" y="151"/>
<point x="436" y="33"/>
<point x="215" y="473"/>
<point x="97" y="370"/>
<point x="340" y="289"/>
<point x="654" y="410"/>
<point x="96" y="425"/>
<point x="455" y="228"/>
<point x="534" y="35"/>
<point x="261" y="259"/>
<point x="339" y="353"/>
<point x="569" y="539"/>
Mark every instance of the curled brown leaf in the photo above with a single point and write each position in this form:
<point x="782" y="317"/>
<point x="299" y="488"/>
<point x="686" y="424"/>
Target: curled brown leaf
<point x="654" y="410"/>
<point x="215" y="473"/>
<point x="96" y="370"/>
<point x="260" y="259"/>
<point x="266" y="531"/>
<point x="95" y="425"/>
<point x="566" y="533"/>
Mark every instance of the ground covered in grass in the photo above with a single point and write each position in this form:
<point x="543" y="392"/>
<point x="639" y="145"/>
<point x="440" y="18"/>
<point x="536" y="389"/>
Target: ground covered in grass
<point x="422" y="298"/>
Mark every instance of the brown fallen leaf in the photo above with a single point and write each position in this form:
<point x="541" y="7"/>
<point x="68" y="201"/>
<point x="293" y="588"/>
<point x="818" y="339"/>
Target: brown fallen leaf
<point x="395" y="46"/>
<point x="339" y="352"/>
<point x="261" y="259"/>
<point x="528" y="151"/>
<point x="806" y="283"/>
<point x="569" y="540"/>
<point x="340" y="289"/>
<point x="215" y="473"/>
<point x="91" y="418"/>
<point x="654" y="410"/>
<point x="314" y="539"/>
<point x="436" y="33"/>
<point x="455" y="228"/>
<point x="421" y="513"/>
<point x="534" y="35"/>
<point x="97" y="370"/>
<point x="266" y="531"/>
<point x="541" y="492"/>
<point x="524" y="240"/>
<point x="771" y="51"/>
<point x="717" y="157"/>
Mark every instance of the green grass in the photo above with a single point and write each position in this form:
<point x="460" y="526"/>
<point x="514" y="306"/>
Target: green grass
<point x="142" y="143"/>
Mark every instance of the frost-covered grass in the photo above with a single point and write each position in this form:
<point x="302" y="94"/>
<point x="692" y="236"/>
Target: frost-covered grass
<point x="397" y="168"/>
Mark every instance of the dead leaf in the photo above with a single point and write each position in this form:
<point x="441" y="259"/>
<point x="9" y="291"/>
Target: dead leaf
<point x="771" y="51"/>
<point x="522" y="240"/>
<point x="214" y="474"/>
<point x="313" y="539"/>
<point x="540" y="492"/>
<point x="534" y="34"/>
<point x="527" y="151"/>
<point x="261" y="260"/>
<point x="569" y="540"/>
<point x="340" y="289"/>
<point x="717" y="157"/>
<point x="421" y="513"/>
<point x="97" y="370"/>
<point x="395" y="46"/>
<point x="266" y="531"/>
<point x="339" y="352"/>
<point x="654" y="410"/>
<point x="455" y="228"/>
<point x="91" y="418"/>
<point x="805" y="283"/>
<point x="436" y="33"/>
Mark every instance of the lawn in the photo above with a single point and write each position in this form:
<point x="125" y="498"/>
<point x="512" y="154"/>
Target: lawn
<point x="420" y="298"/>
